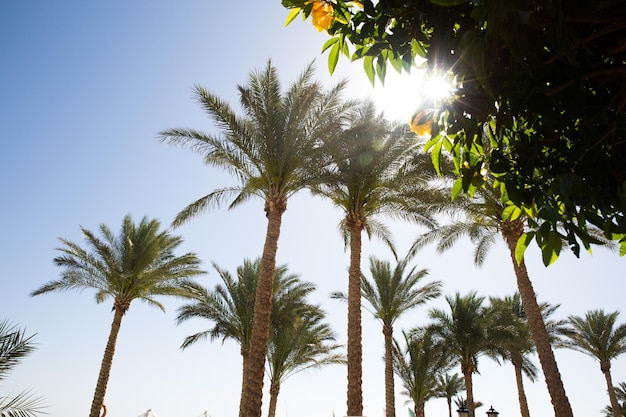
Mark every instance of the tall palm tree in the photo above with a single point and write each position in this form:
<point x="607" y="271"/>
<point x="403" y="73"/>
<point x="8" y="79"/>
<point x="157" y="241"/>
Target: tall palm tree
<point x="230" y="305"/>
<point x="14" y="346"/>
<point x="620" y="393"/>
<point x="518" y="348"/>
<point x="423" y="358"/>
<point x="376" y="171"/>
<point x="469" y="331"/>
<point x="598" y="336"/>
<point x="484" y="218"/>
<point x="392" y="293"/>
<point x="137" y="264"/>
<point x="271" y="150"/>
<point x="448" y="387"/>
<point x="306" y="343"/>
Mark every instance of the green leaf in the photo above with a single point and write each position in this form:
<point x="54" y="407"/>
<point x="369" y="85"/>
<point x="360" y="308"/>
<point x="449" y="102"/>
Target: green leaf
<point x="344" y="48"/>
<point x="551" y="245"/>
<point x="330" y="43"/>
<point x="522" y="245"/>
<point x="417" y="49"/>
<point x="436" y="155"/>
<point x="333" y="57"/>
<point x="368" y="65"/>
<point x="396" y="64"/>
<point x="292" y="15"/>
<point x="457" y="188"/>
<point x="511" y="212"/>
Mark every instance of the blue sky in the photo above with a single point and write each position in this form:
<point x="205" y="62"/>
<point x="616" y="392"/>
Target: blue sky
<point x="86" y="87"/>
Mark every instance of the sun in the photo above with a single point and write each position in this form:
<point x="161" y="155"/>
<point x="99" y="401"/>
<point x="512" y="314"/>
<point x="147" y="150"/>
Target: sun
<point x="403" y="94"/>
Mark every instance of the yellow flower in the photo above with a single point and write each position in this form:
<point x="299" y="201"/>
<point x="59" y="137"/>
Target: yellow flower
<point x="419" y="126"/>
<point x="321" y="14"/>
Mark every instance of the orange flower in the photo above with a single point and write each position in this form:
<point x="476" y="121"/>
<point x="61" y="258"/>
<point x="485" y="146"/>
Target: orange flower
<point x="419" y="125"/>
<point x="321" y="15"/>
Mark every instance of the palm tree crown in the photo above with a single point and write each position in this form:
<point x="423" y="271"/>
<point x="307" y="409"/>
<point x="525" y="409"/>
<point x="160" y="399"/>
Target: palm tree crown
<point x="448" y="387"/>
<point x="469" y="331"/>
<point x="230" y="307"/>
<point x="418" y="365"/>
<point x="598" y="336"/>
<point x="306" y="342"/>
<point x="138" y="263"/>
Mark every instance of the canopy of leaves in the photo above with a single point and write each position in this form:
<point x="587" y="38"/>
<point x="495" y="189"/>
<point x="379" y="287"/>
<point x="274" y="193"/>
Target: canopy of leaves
<point x="540" y="99"/>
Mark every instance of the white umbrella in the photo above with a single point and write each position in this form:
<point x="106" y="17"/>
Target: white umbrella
<point x="205" y="414"/>
<point x="148" y="413"/>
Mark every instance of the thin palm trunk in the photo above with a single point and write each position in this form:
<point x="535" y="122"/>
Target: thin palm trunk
<point x="469" y="388"/>
<point x="355" y="351"/>
<point x="254" y="368"/>
<point x="107" y="361"/>
<point x="244" y="362"/>
<point x="274" y="391"/>
<point x="521" y="393"/>
<point x="512" y="231"/>
<point x="390" y="400"/>
<point x="419" y="410"/>
<point x="606" y="370"/>
<point x="449" y="406"/>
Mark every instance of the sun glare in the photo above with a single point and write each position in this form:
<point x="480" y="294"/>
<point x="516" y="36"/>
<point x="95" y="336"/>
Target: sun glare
<point x="403" y="94"/>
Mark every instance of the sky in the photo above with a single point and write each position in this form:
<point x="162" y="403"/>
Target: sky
<point x="85" y="89"/>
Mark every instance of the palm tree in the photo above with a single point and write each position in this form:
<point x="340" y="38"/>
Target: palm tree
<point x="230" y="305"/>
<point x="137" y="264"/>
<point x="14" y="346"/>
<point x="448" y="386"/>
<point x="306" y="343"/>
<point x="482" y="219"/>
<point x="271" y="150"/>
<point x="518" y="348"/>
<point x="469" y="331"/>
<point x="620" y="393"/>
<point x="392" y="293"/>
<point x="375" y="171"/>
<point x="597" y="335"/>
<point x="419" y="364"/>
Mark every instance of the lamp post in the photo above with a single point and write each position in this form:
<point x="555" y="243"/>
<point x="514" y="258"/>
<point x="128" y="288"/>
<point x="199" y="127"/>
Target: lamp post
<point x="462" y="411"/>
<point x="491" y="412"/>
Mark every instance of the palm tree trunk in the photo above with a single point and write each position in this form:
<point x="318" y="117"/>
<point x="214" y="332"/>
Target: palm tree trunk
<point x="355" y="350"/>
<point x="255" y="367"/>
<point x="107" y="361"/>
<point x="419" y="410"/>
<point x="390" y="397"/>
<point x="449" y="400"/>
<point x="606" y="370"/>
<point x="512" y="231"/>
<point x="274" y="390"/>
<point x="244" y="355"/>
<point x="521" y="393"/>
<point x="469" y="388"/>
